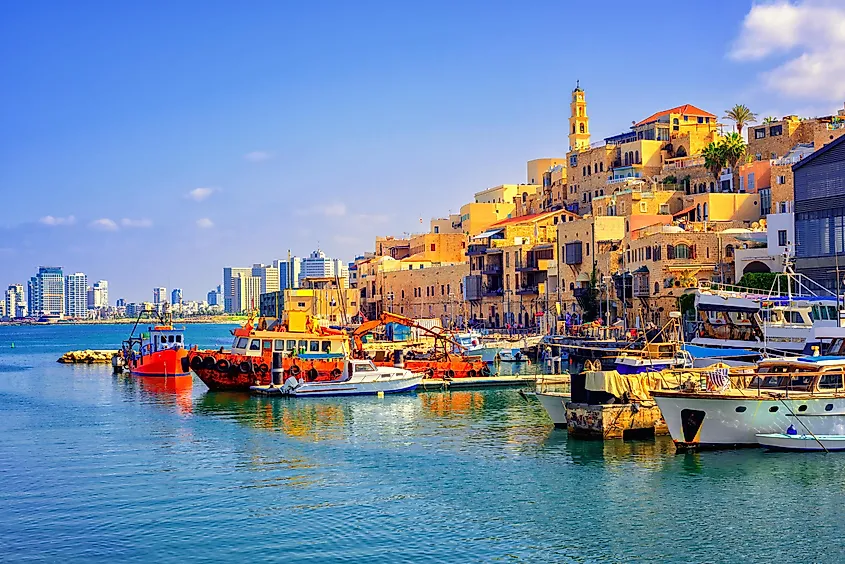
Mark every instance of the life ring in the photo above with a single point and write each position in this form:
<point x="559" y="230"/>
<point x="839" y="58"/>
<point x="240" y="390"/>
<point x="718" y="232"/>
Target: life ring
<point x="312" y="374"/>
<point x="449" y="374"/>
<point x="209" y="362"/>
<point x="429" y="373"/>
<point x="196" y="362"/>
<point x="485" y="372"/>
<point x="336" y="373"/>
<point x="295" y="370"/>
<point x="263" y="368"/>
<point x="222" y="365"/>
<point x="472" y="373"/>
<point x="245" y="367"/>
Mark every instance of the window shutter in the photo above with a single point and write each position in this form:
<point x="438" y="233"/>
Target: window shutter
<point x="670" y="252"/>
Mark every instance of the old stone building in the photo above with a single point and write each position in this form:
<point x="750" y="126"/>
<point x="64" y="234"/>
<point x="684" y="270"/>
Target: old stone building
<point x="430" y="291"/>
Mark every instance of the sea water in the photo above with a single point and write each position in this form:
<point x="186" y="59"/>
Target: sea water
<point x="102" y="468"/>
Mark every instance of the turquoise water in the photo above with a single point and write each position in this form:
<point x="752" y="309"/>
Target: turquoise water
<point x="99" y="468"/>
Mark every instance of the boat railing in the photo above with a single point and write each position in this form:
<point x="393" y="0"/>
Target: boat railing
<point x="748" y="382"/>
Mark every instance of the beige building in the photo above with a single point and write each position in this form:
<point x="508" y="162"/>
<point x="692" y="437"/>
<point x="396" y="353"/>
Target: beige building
<point x="476" y="217"/>
<point x="322" y="298"/>
<point x="438" y="247"/>
<point x="429" y="292"/>
<point x="505" y="193"/>
<point x="451" y="224"/>
<point x="247" y="293"/>
<point x="536" y="168"/>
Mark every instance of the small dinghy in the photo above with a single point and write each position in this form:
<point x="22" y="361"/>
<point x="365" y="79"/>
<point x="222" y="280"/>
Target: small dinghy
<point x="795" y="442"/>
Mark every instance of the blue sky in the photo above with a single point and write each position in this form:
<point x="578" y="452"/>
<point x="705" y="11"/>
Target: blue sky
<point x="152" y="143"/>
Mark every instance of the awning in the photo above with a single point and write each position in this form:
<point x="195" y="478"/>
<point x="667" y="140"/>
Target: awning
<point x="684" y="211"/>
<point x="488" y="233"/>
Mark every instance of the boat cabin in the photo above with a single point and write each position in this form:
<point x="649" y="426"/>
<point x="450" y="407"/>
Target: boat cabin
<point x="162" y="337"/>
<point x="803" y="374"/>
<point x="264" y="343"/>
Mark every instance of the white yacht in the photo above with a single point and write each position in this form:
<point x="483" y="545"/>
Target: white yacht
<point x="358" y="377"/>
<point x="732" y="410"/>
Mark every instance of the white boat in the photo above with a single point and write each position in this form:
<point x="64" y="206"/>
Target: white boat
<point x="473" y="344"/>
<point x="810" y="443"/>
<point x="807" y="392"/>
<point x="359" y="377"/>
<point x="553" y="394"/>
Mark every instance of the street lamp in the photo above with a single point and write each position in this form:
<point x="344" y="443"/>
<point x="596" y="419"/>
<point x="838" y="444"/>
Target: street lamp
<point x="390" y="302"/>
<point x="606" y="287"/>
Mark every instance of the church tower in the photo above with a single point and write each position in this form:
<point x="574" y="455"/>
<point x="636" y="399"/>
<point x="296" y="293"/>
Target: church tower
<point x="579" y="123"/>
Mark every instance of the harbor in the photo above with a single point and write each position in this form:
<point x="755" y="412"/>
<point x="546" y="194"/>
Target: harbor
<point x="116" y="454"/>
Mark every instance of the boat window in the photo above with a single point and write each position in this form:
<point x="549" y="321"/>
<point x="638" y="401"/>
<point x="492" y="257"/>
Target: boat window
<point x="279" y="345"/>
<point x="171" y="338"/>
<point x="178" y="338"/>
<point x="241" y="343"/>
<point x="740" y="409"/>
<point x="366" y="367"/>
<point x="814" y="313"/>
<point x="315" y="346"/>
<point x="266" y="345"/>
<point x="290" y="345"/>
<point x="794" y="382"/>
<point x="327" y="346"/>
<point x="302" y="346"/>
<point x="802" y="408"/>
<point x="828" y="407"/>
<point x="830" y="381"/>
<point x="823" y="312"/>
<point x="773" y="409"/>
<point x="255" y="345"/>
<point x="831" y="311"/>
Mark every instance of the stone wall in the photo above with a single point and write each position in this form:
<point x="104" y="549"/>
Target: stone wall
<point x="435" y="291"/>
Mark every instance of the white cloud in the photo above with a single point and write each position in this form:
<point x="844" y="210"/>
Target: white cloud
<point x="205" y="223"/>
<point x="334" y="209"/>
<point x="103" y="224"/>
<point x="810" y="34"/>
<point x="200" y="194"/>
<point x="258" y="156"/>
<point x="126" y="222"/>
<point x="52" y="220"/>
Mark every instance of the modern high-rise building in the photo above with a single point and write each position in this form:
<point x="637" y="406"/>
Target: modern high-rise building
<point x="269" y="277"/>
<point x="176" y="296"/>
<point x="215" y="297"/>
<point x="159" y="295"/>
<point x="120" y="302"/>
<point x="229" y="275"/>
<point x="76" y="296"/>
<point x="14" y="301"/>
<point x="287" y="278"/>
<point x="32" y="299"/>
<point x="49" y="291"/>
<point x="247" y="293"/>
<point x="317" y="265"/>
<point x="98" y="295"/>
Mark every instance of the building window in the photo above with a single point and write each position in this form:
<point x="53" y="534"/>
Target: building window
<point x="643" y="207"/>
<point x="781" y="179"/>
<point x="765" y="201"/>
<point x="782" y="237"/>
<point x="700" y="119"/>
<point x="583" y="129"/>
<point x="729" y="251"/>
<point x="750" y="181"/>
<point x="705" y="214"/>
<point x="601" y="167"/>
<point x="664" y="209"/>
<point x="775" y="130"/>
<point x="436" y="229"/>
<point x="760" y="133"/>
<point x="588" y="249"/>
<point x="432" y="247"/>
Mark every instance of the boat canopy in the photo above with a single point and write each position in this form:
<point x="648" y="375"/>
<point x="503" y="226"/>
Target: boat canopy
<point x="713" y="352"/>
<point x="710" y="302"/>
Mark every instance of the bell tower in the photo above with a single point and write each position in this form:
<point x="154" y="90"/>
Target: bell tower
<point x="579" y="123"/>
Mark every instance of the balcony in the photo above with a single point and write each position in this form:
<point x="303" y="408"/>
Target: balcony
<point x="477" y="249"/>
<point x="527" y="290"/>
<point x="529" y="266"/>
<point x="682" y="163"/>
<point x="492" y="292"/>
<point x="492" y="270"/>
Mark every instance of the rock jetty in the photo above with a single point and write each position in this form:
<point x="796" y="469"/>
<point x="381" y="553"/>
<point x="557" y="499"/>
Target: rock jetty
<point x="87" y="357"/>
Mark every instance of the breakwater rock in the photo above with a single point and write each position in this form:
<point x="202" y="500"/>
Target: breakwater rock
<point x="87" y="357"/>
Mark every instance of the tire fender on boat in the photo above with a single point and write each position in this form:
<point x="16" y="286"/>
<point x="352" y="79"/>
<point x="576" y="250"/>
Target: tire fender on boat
<point x="295" y="370"/>
<point x="472" y="373"/>
<point x="485" y="372"/>
<point x="245" y="367"/>
<point x="210" y="362"/>
<point x="429" y="373"/>
<point x="336" y="373"/>
<point x="449" y="374"/>
<point x="196" y="362"/>
<point x="222" y="365"/>
<point x="263" y="368"/>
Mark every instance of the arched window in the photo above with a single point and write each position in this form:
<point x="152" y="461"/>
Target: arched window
<point x="712" y="187"/>
<point x="583" y="129"/>
<point x="704" y="214"/>
<point x="636" y="157"/>
<point x="683" y="251"/>
<point x="524" y="197"/>
<point x="675" y="121"/>
<point x="595" y="167"/>
<point x="626" y="160"/>
<point x="657" y="285"/>
<point x="583" y="171"/>
<point x="601" y="167"/>
<point x="573" y="128"/>
<point x="698" y="212"/>
<point x="571" y="286"/>
<point x="729" y="251"/>
<point x="580" y="112"/>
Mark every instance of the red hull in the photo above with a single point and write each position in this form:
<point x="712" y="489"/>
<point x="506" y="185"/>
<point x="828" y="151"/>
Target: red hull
<point x="170" y="363"/>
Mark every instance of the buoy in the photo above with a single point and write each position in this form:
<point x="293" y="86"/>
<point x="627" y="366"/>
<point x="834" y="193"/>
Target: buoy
<point x="13" y="345"/>
<point x="380" y="394"/>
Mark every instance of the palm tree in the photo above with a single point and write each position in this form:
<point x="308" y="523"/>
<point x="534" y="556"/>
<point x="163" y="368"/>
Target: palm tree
<point x="733" y="149"/>
<point x="741" y="115"/>
<point x="714" y="159"/>
<point x="769" y="119"/>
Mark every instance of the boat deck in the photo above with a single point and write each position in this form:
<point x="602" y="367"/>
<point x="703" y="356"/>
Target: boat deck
<point x="435" y="384"/>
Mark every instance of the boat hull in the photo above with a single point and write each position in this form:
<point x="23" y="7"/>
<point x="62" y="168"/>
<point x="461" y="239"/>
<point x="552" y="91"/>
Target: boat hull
<point x="802" y="443"/>
<point x="169" y="363"/>
<point x="704" y="421"/>
<point x="555" y="405"/>
<point x="323" y="389"/>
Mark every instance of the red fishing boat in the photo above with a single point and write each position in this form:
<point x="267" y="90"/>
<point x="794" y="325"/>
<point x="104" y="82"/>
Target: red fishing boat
<point x="158" y="353"/>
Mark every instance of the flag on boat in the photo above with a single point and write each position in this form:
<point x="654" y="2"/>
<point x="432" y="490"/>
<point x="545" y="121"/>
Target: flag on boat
<point x="718" y="379"/>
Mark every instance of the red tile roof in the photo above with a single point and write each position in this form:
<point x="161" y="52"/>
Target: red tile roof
<point x="686" y="109"/>
<point x="531" y="217"/>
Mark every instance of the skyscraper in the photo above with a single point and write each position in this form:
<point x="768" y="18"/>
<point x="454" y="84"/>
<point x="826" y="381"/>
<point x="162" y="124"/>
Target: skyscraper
<point x="286" y="277"/>
<point x="76" y="296"/>
<point x="215" y="297"/>
<point x="176" y="296"/>
<point x="229" y="274"/>
<point x="50" y="284"/>
<point x="33" y="302"/>
<point x="247" y="293"/>
<point x="98" y="295"/>
<point x="14" y="300"/>
<point x="320" y="266"/>
<point x="159" y="295"/>
<point x="269" y="276"/>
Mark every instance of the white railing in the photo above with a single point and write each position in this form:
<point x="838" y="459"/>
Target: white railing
<point x="682" y="163"/>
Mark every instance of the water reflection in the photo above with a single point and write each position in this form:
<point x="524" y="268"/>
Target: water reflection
<point x="165" y="392"/>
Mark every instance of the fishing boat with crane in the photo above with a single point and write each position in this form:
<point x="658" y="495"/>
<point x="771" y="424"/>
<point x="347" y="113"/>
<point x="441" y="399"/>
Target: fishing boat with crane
<point x="160" y="352"/>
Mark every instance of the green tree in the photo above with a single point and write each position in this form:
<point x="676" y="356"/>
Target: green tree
<point x="741" y="115"/>
<point x="714" y="159"/>
<point x="769" y="119"/>
<point x="733" y="149"/>
<point x="764" y="281"/>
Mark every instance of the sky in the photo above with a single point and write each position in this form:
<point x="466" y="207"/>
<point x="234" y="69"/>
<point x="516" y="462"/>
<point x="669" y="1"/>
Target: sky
<point x="152" y="143"/>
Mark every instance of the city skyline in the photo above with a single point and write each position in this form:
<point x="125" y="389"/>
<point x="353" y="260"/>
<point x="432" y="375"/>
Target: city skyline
<point x="414" y="132"/>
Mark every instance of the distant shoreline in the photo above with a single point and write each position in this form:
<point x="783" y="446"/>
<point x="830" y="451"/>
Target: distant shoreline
<point x="189" y="321"/>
